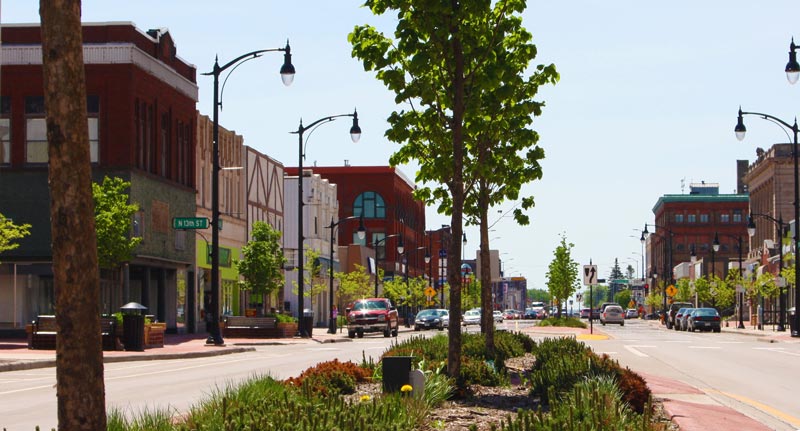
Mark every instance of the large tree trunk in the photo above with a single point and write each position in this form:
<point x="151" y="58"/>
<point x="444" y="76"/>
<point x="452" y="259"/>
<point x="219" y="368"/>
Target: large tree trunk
<point x="457" y="190"/>
<point x="79" y="357"/>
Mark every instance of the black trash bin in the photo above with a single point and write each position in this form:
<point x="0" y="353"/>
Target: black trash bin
<point x="794" y="331"/>
<point x="308" y="322"/>
<point x="396" y="371"/>
<point x="133" y="326"/>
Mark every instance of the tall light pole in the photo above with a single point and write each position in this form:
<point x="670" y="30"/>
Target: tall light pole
<point x="362" y="232"/>
<point x="667" y="266"/>
<point x="287" y="76"/>
<point x="781" y="230"/>
<point x="378" y="242"/>
<point x="740" y="295"/>
<point x="740" y="131"/>
<point x="355" y="135"/>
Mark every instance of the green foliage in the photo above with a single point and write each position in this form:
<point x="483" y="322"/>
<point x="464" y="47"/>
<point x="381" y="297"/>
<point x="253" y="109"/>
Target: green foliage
<point x="282" y="317"/>
<point x="562" y="273"/>
<point x="616" y="272"/>
<point x="623" y="297"/>
<point x="10" y="232"/>
<point x="538" y="295"/>
<point x="315" y="278"/>
<point x="262" y="260"/>
<point x="569" y="322"/>
<point x="113" y="222"/>
<point x="353" y="285"/>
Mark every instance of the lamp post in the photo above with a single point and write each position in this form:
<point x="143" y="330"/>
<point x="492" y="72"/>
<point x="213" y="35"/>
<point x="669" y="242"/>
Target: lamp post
<point x="362" y="232"/>
<point x="667" y="266"/>
<point x="442" y="257"/>
<point x="406" y="261"/>
<point x="378" y="242"/>
<point x="740" y="295"/>
<point x="780" y="228"/>
<point x="355" y="135"/>
<point x="740" y="133"/>
<point x="287" y="76"/>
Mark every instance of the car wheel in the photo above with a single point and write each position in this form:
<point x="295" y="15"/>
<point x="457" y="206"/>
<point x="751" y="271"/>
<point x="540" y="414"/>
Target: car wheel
<point x="622" y="323"/>
<point x="416" y="328"/>
<point x="441" y="327"/>
<point x="387" y="332"/>
<point x="604" y="323"/>
<point x="717" y="330"/>
<point x="351" y="334"/>
<point x="360" y="333"/>
<point x="394" y="332"/>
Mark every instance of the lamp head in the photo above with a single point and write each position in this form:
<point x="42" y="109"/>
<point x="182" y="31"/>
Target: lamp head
<point x="715" y="244"/>
<point x="287" y="70"/>
<point x="355" y="130"/>
<point x="362" y="231"/>
<point x="463" y="238"/>
<point x="642" y="238"/>
<point x="400" y="247"/>
<point x="792" y="67"/>
<point x="645" y="232"/>
<point x="751" y="226"/>
<point x="740" y="130"/>
<point x="427" y="257"/>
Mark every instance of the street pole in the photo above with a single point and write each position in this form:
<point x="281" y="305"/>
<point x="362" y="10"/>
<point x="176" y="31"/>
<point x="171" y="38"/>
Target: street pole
<point x="287" y="75"/>
<point x="378" y="242"/>
<point x="362" y="232"/>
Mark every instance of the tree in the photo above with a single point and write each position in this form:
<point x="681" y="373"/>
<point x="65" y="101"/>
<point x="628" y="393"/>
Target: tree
<point x="10" y="232"/>
<point x="113" y="217"/>
<point x="79" y="359"/>
<point x="623" y="298"/>
<point x="262" y="261"/>
<point x="448" y="55"/>
<point x="629" y="271"/>
<point x="562" y="274"/>
<point x="354" y="285"/>
<point x="616" y="272"/>
<point x="313" y="277"/>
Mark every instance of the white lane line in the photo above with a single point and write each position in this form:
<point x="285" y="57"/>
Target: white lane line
<point x="635" y="350"/>
<point x="777" y="350"/>
<point x="679" y="341"/>
<point x="705" y="347"/>
<point x="730" y="342"/>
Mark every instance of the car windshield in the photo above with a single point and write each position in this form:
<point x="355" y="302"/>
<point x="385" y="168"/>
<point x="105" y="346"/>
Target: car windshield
<point x="370" y="305"/>
<point x="705" y="312"/>
<point x="426" y="313"/>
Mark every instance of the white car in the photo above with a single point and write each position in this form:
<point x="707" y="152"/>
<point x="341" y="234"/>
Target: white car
<point x="613" y="314"/>
<point x="498" y="316"/>
<point x="471" y="317"/>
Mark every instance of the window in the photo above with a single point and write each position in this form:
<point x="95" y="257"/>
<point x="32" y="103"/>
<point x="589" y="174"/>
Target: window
<point x="370" y="204"/>
<point x="180" y="240"/>
<point x="692" y="218"/>
<point x="678" y="218"/>
<point x="703" y="218"/>
<point x="36" y="129"/>
<point x="5" y="131"/>
<point x="725" y="218"/>
<point x="737" y="216"/>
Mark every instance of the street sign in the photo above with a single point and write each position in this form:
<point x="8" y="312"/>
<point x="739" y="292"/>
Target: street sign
<point x="671" y="290"/>
<point x="589" y="275"/>
<point x="429" y="291"/>
<point x="442" y="253"/>
<point x="189" y="223"/>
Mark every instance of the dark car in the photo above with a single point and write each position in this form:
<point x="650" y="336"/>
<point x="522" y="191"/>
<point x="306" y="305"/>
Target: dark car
<point x="432" y="318"/>
<point x="673" y="308"/>
<point x="530" y="313"/>
<point x="704" y="319"/>
<point x="585" y="313"/>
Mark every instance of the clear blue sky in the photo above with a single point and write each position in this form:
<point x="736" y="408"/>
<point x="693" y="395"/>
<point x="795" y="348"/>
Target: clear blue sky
<point x="647" y="100"/>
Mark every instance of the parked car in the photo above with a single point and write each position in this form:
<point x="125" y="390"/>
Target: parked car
<point x="585" y="313"/>
<point x="673" y="308"/>
<point x="704" y="319"/>
<point x="431" y="318"/>
<point x="530" y="313"/>
<point x="372" y="315"/>
<point x="512" y="314"/>
<point x="631" y="313"/>
<point x="606" y="304"/>
<point x="682" y="323"/>
<point x="613" y="314"/>
<point x="676" y="320"/>
<point x="498" y="316"/>
<point x="471" y="317"/>
<point x="596" y="314"/>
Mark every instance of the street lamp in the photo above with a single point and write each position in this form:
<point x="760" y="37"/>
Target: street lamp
<point x="781" y="228"/>
<point x="792" y="67"/>
<point x="399" y="251"/>
<point x="287" y="76"/>
<point x="355" y="135"/>
<point x="362" y="232"/>
<point x="740" y="133"/>
<point x="667" y="266"/>
<point x="740" y="295"/>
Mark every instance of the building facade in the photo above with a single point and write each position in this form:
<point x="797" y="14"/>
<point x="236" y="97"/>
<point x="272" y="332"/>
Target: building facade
<point x="141" y="101"/>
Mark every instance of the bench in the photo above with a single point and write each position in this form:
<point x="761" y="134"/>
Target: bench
<point x="44" y="331"/>
<point x="251" y="327"/>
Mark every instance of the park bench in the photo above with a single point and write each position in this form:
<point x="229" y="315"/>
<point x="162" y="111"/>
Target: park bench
<point x="44" y="331"/>
<point x="251" y="327"/>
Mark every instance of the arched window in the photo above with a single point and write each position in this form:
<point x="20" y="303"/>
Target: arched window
<point x="370" y="204"/>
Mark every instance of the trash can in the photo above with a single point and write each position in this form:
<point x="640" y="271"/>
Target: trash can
<point x="395" y="372"/>
<point x="308" y="321"/>
<point x="794" y="330"/>
<point x="133" y="326"/>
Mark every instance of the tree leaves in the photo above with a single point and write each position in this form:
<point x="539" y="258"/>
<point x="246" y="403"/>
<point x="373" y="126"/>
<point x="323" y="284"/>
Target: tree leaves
<point x="262" y="260"/>
<point x="113" y="222"/>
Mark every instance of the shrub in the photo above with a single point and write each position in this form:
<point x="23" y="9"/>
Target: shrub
<point x="331" y="378"/>
<point x="569" y="322"/>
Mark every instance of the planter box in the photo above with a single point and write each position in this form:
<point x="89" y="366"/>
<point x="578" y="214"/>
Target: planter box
<point x="154" y="334"/>
<point x="287" y="330"/>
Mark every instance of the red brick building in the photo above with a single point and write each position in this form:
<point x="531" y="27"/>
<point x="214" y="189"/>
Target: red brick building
<point x="385" y="197"/>
<point x="141" y="101"/>
<point x="693" y="220"/>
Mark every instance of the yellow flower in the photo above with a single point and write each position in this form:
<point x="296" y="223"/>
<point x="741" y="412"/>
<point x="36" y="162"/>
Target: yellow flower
<point x="406" y="388"/>
<point x="365" y="398"/>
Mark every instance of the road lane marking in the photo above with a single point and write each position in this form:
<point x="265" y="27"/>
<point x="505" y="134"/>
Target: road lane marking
<point x="761" y="406"/>
<point x="635" y="350"/>
<point x="28" y="389"/>
<point x="705" y="347"/>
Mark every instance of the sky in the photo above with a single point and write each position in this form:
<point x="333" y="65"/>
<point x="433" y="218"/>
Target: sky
<point x="645" y="106"/>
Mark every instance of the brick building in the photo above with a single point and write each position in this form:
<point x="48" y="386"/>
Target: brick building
<point x="141" y="101"/>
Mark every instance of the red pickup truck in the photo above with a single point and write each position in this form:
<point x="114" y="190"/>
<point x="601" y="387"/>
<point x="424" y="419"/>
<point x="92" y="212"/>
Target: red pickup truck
<point x="372" y="315"/>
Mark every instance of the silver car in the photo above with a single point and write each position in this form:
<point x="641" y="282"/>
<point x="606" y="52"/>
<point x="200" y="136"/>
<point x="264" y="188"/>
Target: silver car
<point x="613" y="314"/>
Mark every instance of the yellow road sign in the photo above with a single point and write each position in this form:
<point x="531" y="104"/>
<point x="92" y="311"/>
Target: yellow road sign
<point x="671" y="290"/>
<point x="429" y="291"/>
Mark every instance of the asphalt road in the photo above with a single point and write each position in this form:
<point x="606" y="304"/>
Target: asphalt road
<point x="761" y="380"/>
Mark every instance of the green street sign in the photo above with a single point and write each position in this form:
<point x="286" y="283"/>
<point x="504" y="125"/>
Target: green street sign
<point x="189" y="223"/>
